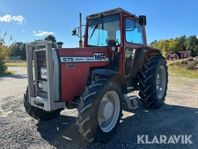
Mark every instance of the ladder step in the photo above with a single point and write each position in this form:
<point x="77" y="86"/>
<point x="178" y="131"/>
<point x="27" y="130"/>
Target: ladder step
<point x="132" y="102"/>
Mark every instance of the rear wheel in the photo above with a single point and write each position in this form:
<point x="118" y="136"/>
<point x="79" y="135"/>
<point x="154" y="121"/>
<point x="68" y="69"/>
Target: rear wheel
<point x="153" y="79"/>
<point x="37" y="113"/>
<point x="100" y="111"/>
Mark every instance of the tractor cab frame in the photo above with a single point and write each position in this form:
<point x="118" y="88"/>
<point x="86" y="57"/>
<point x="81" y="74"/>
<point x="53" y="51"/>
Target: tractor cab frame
<point x="125" y="33"/>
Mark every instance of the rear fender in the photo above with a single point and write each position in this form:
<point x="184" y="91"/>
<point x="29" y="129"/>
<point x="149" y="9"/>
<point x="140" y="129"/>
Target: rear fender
<point x="140" y="57"/>
<point x="149" y="52"/>
<point x="152" y="52"/>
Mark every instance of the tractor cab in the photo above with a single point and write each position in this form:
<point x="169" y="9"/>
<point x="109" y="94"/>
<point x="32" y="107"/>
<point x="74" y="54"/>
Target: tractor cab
<point x="120" y="30"/>
<point x="111" y="28"/>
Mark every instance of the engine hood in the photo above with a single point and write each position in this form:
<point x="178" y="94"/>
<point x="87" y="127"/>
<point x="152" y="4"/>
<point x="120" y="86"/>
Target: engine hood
<point x="90" y="54"/>
<point x="75" y="66"/>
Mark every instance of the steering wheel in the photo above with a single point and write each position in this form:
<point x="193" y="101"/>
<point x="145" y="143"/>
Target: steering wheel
<point x="111" y="42"/>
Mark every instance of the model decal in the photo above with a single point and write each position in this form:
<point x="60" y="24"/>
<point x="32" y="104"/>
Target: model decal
<point x="98" y="57"/>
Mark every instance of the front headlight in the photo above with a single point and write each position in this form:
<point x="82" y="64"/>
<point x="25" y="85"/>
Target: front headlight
<point x="43" y="73"/>
<point x="40" y="85"/>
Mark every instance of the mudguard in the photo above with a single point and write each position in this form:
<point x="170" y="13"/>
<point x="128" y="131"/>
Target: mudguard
<point x="113" y="75"/>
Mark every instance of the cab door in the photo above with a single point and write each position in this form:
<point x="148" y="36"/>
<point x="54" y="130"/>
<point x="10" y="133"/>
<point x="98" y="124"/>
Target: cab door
<point x="134" y="40"/>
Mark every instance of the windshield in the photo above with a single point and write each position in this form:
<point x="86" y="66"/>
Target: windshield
<point x="102" y="30"/>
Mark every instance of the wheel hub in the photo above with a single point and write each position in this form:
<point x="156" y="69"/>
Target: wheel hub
<point x="161" y="82"/>
<point x="109" y="110"/>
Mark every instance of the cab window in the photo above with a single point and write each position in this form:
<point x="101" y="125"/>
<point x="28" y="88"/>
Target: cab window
<point x="133" y="32"/>
<point x="101" y="30"/>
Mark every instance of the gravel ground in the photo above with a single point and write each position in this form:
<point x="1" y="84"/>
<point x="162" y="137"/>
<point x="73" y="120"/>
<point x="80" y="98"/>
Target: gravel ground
<point x="179" y="116"/>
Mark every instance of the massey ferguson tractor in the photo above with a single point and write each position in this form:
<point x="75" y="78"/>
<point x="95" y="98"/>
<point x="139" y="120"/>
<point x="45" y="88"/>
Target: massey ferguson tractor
<point x="98" y="77"/>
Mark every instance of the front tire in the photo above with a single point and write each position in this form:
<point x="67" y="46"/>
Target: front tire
<point x="37" y="113"/>
<point x="153" y="79"/>
<point x="100" y="111"/>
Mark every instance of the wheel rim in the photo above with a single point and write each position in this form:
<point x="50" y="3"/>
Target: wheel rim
<point x="161" y="82"/>
<point x="109" y="110"/>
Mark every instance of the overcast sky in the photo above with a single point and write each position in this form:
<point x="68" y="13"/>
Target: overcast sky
<point x="27" y="20"/>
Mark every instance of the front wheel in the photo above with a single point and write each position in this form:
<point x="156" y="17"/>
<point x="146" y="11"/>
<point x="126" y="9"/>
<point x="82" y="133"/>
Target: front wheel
<point x="100" y="111"/>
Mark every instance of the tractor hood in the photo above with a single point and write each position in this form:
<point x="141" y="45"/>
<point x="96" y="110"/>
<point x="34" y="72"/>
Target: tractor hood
<point x="79" y="55"/>
<point x="75" y="66"/>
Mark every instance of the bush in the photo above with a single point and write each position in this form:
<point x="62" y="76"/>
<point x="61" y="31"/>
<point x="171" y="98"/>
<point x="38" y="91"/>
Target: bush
<point x="3" y="67"/>
<point x="4" y="51"/>
<point x="191" y="65"/>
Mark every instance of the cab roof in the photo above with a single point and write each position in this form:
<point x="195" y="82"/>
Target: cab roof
<point x="110" y="12"/>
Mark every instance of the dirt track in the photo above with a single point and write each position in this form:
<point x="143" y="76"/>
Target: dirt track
<point x="18" y="130"/>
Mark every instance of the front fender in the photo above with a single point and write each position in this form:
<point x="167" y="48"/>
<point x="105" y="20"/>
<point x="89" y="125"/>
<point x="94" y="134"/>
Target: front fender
<point x="113" y="75"/>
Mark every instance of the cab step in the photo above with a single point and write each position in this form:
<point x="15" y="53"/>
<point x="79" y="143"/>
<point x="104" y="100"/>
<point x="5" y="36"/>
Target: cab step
<point x="131" y="102"/>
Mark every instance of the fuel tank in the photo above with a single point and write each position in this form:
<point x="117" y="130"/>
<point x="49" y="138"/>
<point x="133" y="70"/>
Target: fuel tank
<point x="75" y="65"/>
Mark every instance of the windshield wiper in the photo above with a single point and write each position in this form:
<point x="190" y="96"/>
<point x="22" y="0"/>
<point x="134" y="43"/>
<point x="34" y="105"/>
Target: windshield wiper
<point x="96" y="26"/>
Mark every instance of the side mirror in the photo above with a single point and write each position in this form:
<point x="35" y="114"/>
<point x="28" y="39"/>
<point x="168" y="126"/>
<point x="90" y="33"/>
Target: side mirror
<point x="74" y="32"/>
<point x="142" y="20"/>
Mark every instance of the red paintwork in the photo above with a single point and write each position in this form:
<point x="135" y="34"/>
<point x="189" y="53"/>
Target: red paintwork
<point x="123" y="44"/>
<point x="73" y="81"/>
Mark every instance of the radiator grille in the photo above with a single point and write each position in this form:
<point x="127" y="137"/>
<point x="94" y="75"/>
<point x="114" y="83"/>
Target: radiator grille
<point x="41" y="62"/>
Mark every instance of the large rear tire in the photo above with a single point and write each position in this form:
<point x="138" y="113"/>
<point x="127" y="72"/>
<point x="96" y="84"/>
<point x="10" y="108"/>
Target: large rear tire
<point x="37" y="113"/>
<point x="153" y="79"/>
<point x="100" y="111"/>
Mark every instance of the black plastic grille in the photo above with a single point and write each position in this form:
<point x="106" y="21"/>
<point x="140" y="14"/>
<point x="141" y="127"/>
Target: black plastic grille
<point x="41" y="62"/>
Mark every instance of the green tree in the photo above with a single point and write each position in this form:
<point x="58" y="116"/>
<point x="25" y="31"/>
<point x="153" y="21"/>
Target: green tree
<point x="172" y="45"/>
<point x="4" y="52"/>
<point x="181" y="43"/>
<point x="153" y="44"/>
<point x="18" y="49"/>
<point x="50" y="38"/>
<point x="192" y="44"/>
<point x="163" y="46"/>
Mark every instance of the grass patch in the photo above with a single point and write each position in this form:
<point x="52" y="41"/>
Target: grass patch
<point x="16" y="64"/>
<point x="183" y="72"/>
<point x="8" y="72"/>
<point x="184" y="67"/>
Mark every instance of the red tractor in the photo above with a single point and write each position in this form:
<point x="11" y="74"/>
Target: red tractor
<point x="96" y="79"/>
